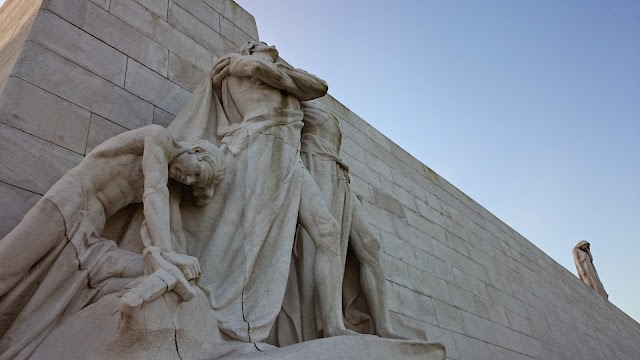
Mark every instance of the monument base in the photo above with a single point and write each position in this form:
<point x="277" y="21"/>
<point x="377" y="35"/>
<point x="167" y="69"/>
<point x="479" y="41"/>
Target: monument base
<point x="173" y="330"/>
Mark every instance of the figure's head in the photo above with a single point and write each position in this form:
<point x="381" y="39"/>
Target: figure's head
<point x="200" y="165"/>
<point x="259" y="48"/>
<point x="583" y="245"/>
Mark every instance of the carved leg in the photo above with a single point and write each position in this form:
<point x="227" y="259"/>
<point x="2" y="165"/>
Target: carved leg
<point x="325" y="233"/>
<point x="41" y="230"/>
<point x="366" y="246"/>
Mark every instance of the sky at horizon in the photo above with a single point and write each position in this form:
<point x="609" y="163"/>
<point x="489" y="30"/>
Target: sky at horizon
<point x="530" y="108"/>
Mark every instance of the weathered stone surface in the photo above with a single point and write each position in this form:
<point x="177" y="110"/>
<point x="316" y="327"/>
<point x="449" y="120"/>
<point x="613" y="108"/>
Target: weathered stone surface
<point x="230" y="10"/>
<point x="199" y="31"/>
<point x="100" y="130"/>
<point x="16" y="19"/>
<point x="202" y="12"/>
<point x="15" y="203"/>
<point x="166" y="35"/>
<point x="21" y="153"/>
<point x="155" y="88"/>
<point x="233" y="33"/>
<point x="479" y="328"/>
<point x="113" y="31"/>
<point x="103" y="3"/>
<point x="5" y="70"/>
<point x="449" y="317"/>
<point x="384" y="201"/>
<point x="55" y="74"/>
<point x="509" y="339"/>
<point x="162" y="117"/>
<point x="40" y="113"/>
<point x="471" y="349"/>
<point x="75" y="45"/>
<point x="448" y="244"/>
<point x="184" y="74"/>
<point x="158" y="7"/>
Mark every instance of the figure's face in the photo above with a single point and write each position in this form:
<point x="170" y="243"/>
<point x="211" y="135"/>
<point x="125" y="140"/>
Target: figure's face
<point x="263" y="48"/>
<point x="585" y="247"/>
<point x="187" y="169"/>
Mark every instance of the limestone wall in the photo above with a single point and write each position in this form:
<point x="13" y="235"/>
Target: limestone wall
<point x="89" y="69"/>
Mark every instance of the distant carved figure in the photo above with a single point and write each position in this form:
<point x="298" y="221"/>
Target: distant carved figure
<point x="56" y="260"/>
<point x="586" y="270"/>
<point x="364" y="295"/>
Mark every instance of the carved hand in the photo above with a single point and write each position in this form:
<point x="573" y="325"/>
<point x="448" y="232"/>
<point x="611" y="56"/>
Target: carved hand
<point x="221" y="69"/>
<point x="153" y="258"/>
<point x="189" y="265"/>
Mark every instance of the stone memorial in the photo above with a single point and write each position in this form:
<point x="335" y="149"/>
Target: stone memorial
<point x="171" y="189"/>
<point x="219" y="295"/>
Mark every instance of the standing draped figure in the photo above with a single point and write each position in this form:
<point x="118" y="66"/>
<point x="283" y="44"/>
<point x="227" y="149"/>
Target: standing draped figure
<point x="586" y="270"/>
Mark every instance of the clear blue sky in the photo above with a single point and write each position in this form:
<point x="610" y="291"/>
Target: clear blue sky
<point x="532" y="108"/>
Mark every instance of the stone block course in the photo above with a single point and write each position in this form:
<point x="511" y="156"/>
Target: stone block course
<point x="154" y="88"/>
<point x="49" y="71"/>
<point x="237" y="15"/>
<point x="70" y="42"/>
<point x="15" y="203"/>
<point x="233" y="33"/>
<point x="471" y="349"/>
<point x="429" y="285"/>
<point x="509" y="339"/>
<point x="417" y="306"/>
<point x="184" y="74"/>
<point x="163" y="33"/>
<point x="161" y="117"/>
<point x="22" y="152"/>
<point x="113" y="31"/>
<point x="199" y="31"/>
<point x="102" y="3"/>
<point x="203" y="12"/>
<point x="449" y="317"/>
<point x="100" y="130"/>
<point x="386" y="202"/>
<point x="38" y="112"/>
<point x="479" y="328"/>
<point x="158" y="7"/>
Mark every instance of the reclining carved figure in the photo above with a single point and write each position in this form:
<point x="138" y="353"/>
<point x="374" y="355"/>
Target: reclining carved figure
<point x="56" y="257"/>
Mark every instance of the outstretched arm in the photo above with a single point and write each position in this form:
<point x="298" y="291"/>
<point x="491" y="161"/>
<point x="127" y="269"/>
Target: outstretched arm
<point x="162" y="217"/>
<point x="158" y="145"/>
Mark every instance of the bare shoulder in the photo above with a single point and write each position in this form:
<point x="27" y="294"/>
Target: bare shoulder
<point x="157" y="134"/>
<point x="156" y="131"/>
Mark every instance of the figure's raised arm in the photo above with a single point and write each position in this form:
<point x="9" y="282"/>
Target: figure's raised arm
<point x="298" y="82"/>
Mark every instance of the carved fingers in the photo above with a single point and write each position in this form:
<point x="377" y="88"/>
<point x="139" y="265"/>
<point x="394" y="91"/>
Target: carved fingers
<point x="220" y="71"/>
<point x="154" y="259"/>
<point x="189" y="265"/>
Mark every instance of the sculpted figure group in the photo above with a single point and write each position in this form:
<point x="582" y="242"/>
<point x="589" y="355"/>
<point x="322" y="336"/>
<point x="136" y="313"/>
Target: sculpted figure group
<point x="133" y="254"/>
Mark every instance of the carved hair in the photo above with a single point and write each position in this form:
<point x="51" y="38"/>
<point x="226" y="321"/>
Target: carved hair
<point x="212" y="155"/>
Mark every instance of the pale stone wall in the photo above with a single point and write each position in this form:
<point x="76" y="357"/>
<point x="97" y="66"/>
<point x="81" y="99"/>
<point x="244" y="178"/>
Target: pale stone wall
<point x="89" y="69"/>
<point x="76" y="72"/>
